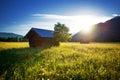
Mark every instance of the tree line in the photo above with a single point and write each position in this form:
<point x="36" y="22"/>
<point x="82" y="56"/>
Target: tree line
<point x="13" y="39"/>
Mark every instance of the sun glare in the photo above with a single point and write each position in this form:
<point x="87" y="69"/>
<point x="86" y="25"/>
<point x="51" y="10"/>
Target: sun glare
<point x="85" y="23"/>
<point x="87" y="29"/>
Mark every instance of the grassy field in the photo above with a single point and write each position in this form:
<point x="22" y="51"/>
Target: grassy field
<point x="10" y="45"/>
<point x="69" y="61"/>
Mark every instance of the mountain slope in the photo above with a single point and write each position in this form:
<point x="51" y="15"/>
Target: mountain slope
<point x="107" y="31"/>
<point x="9" y="35"/>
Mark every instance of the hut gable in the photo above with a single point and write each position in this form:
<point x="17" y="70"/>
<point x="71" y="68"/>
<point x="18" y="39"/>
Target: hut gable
<point x="40" y="37"/>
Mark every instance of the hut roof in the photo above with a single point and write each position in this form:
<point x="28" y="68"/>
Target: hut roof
<point x="43" y="32"/>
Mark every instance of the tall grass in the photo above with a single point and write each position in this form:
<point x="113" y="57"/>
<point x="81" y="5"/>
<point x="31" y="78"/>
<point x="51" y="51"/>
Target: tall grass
<point x="69" y="61"/>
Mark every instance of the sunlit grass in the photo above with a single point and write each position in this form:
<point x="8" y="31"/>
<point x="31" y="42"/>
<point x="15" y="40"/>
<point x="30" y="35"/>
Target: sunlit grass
<point x="69" y="61"/>
<point x="9" y="45"/>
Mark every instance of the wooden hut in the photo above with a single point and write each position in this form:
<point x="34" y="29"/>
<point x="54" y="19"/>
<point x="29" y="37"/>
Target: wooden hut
<point x="40" y="37"/>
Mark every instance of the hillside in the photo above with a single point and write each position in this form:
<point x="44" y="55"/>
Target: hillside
<point x="107" y="31"/>
<point x="69" y="61"/>
<point x="9" y="35"/>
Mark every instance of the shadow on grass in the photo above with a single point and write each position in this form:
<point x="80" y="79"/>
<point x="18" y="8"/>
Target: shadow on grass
<point x="11" y="58"/>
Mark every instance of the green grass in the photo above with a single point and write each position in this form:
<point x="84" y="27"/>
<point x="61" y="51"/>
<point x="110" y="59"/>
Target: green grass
<point x="69" y="61"/>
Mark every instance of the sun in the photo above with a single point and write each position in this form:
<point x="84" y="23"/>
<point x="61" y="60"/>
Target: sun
<point x="86" y="23"/>
<point x="86" y="29"/>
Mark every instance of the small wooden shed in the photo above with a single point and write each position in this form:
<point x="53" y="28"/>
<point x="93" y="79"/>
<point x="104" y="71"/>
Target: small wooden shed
<point x="40" y="37"/>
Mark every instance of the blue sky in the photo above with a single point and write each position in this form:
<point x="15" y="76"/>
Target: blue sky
<point x="18" y="16"/>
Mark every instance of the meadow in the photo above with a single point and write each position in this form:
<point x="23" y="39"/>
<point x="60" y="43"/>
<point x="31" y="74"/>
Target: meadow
<point x="69" y="61"/>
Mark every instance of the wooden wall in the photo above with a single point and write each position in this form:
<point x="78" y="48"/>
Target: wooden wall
<point x="35" y="40"/>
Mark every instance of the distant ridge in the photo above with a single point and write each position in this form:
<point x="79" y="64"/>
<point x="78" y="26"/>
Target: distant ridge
<point x="9" y="35"/>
